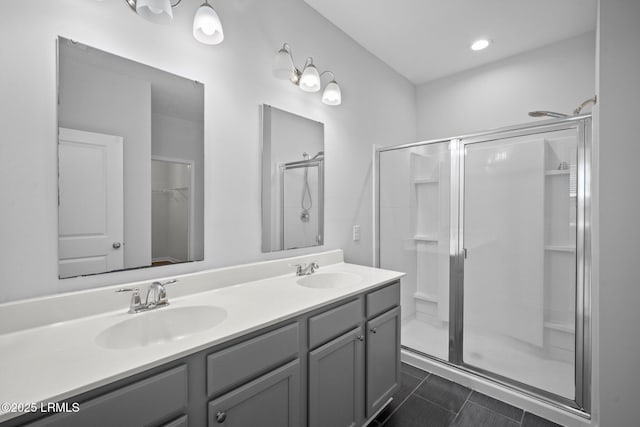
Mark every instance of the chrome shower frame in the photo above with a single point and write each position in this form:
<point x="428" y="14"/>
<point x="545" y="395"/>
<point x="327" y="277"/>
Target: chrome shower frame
<point x="581" y="406"/>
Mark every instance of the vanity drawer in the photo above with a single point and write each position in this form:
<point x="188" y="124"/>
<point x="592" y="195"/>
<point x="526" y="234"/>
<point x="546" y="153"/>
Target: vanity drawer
<point x="146" y="402"/>
<point x="334" y="322"/>
<point x="245" y="361"/>
<point x="383" y="299"/>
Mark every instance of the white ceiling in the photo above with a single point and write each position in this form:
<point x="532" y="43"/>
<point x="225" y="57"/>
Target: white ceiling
<point x="427" y="39"/>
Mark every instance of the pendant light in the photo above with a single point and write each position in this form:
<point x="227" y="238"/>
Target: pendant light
<point x="156" y="11"/>
<point x="310" y="78"/>
<point x="207" y="27"/>
<point x="332" y="94"/>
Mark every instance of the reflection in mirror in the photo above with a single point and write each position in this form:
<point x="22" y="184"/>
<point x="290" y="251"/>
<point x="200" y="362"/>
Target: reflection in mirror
<point x="171" y="209"/>
<point x="292" y="180"/>
<point x="130" y="164"/>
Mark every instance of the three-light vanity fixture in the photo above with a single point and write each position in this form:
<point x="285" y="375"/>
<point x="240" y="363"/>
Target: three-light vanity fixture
<point x="207" y="27"/>
<point x="309" y="79"/>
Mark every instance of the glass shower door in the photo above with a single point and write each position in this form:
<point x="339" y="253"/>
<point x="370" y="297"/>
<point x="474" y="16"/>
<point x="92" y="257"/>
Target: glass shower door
<point x="519" y="237"/>
<point x="414" y="237"/>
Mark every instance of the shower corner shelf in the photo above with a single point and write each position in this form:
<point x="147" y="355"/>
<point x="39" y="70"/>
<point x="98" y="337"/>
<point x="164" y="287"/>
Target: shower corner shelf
<point x="170" y="189"/>
<point x="425" y="238"/>
<point x="425" y="297"/>
<point x="418" y="181"/>
<point x="562" y="327"/>
<point x="560" y="248"/>
<point x="555" y="172"/>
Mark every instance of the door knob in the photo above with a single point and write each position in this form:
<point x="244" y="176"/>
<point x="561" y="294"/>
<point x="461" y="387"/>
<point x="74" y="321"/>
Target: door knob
<point x="360" y="338"/>
<point x="373" y="330"/>
<point x="221" y="416"/>
<point x="116" y="245"/>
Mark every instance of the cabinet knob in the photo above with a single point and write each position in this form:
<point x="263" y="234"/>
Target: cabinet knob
<point x="373" y="330"/>
<point x="116" y="245"/>
<point x="221" y="416"/>
<point x="360" y="338"/>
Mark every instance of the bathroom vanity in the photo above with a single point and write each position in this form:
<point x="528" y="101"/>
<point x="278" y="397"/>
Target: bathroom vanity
<point x="316" y="350"/>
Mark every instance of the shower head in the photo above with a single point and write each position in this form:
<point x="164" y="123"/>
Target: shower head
<point x="548" y="114"/>
<point x="544" y="113"/>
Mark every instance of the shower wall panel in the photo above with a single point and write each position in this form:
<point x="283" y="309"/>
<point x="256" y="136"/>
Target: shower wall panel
<point x="397" y="247"/>
<point x="414" y="238"/>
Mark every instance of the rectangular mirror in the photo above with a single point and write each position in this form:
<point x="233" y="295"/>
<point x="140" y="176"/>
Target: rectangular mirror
<point x="130" y="164"/>
<point x="292" y="180"/>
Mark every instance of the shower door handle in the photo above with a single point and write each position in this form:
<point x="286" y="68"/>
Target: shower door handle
<point x="464" y="252"/>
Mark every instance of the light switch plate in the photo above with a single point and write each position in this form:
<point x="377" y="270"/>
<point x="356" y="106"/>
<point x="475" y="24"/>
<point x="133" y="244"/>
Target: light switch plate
<point x="356" y="233"/>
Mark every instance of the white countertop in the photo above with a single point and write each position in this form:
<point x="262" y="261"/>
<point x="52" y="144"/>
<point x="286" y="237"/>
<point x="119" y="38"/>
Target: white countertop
<point x="57" y="361"/>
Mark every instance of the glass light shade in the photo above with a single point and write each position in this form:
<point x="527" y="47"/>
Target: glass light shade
<point x="156" y="11"/>
<point x="332" y="94"/>
<point x="282" y="65"/>
<point x="480" y="44"/>
<point x="310" y="79"/>
<point x="207" y="27"/>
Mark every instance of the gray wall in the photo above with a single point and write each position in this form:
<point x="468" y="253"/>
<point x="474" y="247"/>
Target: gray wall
<point x="556" y="77"/>
<point x="237" y="78"/>
<point x="618" y="233"/>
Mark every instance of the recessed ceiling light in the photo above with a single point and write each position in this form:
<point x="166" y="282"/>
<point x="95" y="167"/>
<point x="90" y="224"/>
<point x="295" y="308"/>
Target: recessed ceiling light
<point x="480" y="44"/>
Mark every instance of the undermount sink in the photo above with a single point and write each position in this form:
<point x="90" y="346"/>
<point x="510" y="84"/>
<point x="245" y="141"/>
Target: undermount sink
<point x="160" y="325"/>
<point x="329" y="280"/>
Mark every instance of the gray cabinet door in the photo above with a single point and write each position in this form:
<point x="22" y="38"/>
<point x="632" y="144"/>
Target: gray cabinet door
<point x="273" y="400"/>
<point x="336" y="382"/>
<point x="383" y="359"/>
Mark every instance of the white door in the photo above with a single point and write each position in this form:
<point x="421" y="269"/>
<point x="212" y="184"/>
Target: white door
<point x="90" y="212"/>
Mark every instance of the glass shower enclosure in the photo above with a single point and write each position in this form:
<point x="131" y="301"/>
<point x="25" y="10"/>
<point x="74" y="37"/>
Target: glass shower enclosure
<point x="492" y="232"/>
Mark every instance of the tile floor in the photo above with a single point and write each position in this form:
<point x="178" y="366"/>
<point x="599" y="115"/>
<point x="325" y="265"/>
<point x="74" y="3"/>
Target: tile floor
<point x="427" y="400"/>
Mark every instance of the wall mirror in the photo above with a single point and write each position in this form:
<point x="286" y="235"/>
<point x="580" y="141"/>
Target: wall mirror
<point x="130" y="164"/>
<point x="292" y="180"/>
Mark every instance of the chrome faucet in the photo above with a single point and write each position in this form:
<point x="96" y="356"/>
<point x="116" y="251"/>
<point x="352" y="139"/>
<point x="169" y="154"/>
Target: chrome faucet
<point x="159" y="294"/>
<point x="156" y="292"/>
<point x="306" y="269"/>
